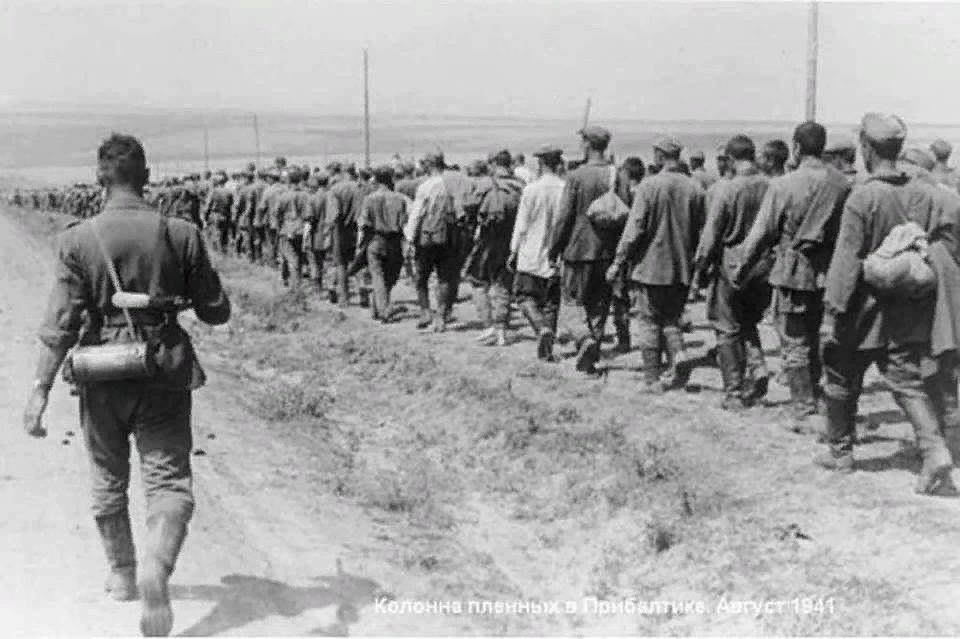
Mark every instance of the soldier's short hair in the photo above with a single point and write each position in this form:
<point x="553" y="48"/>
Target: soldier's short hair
<point x="634" y="168"/>
<point x="811" y="137"/>
<point x="122" y="160"/>
<point x="740" y="147"/>
<point x="502" y="158"/>
<point x="777" y="151"/>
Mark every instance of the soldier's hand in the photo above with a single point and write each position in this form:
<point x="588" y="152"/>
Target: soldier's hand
<point x="33" y="414"/>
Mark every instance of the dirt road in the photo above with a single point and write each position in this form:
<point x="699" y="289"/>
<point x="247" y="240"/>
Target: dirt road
<point x="255" y="563"/>
<point x="431" y="469"/>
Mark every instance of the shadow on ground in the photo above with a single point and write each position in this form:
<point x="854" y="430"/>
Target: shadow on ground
<point x="243" y="599"/>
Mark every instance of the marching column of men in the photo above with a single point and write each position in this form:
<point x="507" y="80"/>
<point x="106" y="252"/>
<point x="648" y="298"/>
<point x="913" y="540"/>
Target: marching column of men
<point x="784" y="228"/>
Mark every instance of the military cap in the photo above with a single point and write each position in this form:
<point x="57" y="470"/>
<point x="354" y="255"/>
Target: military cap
<point x="433" y="158"/>
<point x="595" y="134"/>
<point x="668" y="144"/>
<point x="941" y="148"/>
<point x="841" y="146"/>
<point x="698" y="155"/>
<point x="920" y="157"/>
<point x="880" y="128"/>
<point x="334" y="167"/>
<point x="548" y="150"/>
<point x="383" y="172"/>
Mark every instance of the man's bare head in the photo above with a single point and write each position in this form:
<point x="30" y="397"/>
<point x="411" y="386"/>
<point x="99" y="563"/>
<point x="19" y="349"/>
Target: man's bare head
<point x="121" y="161"/>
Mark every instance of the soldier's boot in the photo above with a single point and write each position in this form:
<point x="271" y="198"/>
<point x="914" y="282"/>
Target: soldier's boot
<point x="650" y="371"/>
<point x="588" y="354"/>
<point x="840" y="435"/>
<point x="758" y="377"/>
<point x="678" y="367"/>
<point x="803" y="407"/>
<point x="165" y="535"/>
<point x="343" y="287"/>
<point x="622" y="328"/>
<point x="730" y="359"/>
<point x="948" y="393"/>
<point x="531" y="311"/>
<point x="937" y="461"/>
<point x="117" y="541"/>
<point x="426" y="317"/>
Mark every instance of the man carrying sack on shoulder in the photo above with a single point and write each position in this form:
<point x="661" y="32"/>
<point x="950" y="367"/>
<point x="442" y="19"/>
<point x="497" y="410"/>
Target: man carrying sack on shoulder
<point x="134" y="367"/>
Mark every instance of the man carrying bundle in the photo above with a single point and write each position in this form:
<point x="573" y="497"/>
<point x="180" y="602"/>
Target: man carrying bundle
<point x="873" y="320"/>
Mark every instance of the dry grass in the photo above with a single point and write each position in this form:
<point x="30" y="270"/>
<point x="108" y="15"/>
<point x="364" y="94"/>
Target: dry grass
<point x="492" y="476"/>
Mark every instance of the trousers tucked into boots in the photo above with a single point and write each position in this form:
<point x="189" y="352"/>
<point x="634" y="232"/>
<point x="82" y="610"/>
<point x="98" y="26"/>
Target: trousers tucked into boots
<point x="121" y="555"/>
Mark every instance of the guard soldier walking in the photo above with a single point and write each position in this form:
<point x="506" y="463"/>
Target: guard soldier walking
<point x="800" y="216"/>
<point x="662" y="231"/>
<point x="130" y="245"/>
<point x="891" y="328"/>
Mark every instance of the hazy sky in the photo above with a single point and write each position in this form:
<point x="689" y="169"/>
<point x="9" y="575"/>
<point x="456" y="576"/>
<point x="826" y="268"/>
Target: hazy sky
<point x="521" y="58"/>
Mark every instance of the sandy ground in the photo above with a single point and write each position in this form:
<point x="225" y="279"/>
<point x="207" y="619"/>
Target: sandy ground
<point x="255" y="563"/>
<point x="717" y="507"/>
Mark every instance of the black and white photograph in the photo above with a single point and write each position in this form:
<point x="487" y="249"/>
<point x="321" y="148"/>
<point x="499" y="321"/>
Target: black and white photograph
<point x="473" y="318"/>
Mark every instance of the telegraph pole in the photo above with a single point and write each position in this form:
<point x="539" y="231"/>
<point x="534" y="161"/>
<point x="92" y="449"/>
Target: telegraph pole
<point x="256" y="139"/>
<point x="812" y="42"/>
<point x="206" y="148"/>
<point x="366" y="111"/>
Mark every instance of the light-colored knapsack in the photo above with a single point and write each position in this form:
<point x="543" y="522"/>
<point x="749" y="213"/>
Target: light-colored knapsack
<point x="608" y="212"/>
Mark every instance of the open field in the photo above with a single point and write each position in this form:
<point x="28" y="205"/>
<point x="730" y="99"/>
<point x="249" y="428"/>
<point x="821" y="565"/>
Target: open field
<point x="436" y="470"/>
<point x="58" y="146"/>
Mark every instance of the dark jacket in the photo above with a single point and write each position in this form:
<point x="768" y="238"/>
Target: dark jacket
<point x="729" y="219"/>
<point x="663" y="230"/>
<point x="865" y="320"/>
<point x="83" y="289"/>
<point x="800" y="216"/>
<point x="577" y="240"/>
